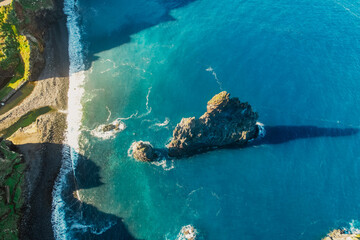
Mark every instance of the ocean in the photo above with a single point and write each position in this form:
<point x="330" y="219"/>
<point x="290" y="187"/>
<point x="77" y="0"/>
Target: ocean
<point x="145" y="64"/>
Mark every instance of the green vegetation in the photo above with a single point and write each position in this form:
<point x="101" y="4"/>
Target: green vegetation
<point x="9" y="52"/>
<point x="25" y="121"/>
<point x="12" y="170"/>
<point x="15" y="47"/>
<point x="35" y="4"/>
<point x="219" y="98"/>
<point x="15" y="50"/>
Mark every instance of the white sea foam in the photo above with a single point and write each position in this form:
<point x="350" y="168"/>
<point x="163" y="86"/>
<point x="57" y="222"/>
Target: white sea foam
<point x="75" y="94"/>
<point x="131" y="149"/>
<point x="88" y="97"/>
<point x="348" y="9"/>
<point x="109" y="69"/>
<point x="210" y="69"/>
<point x="92" y="228"/>
<point x="163" y="124"/>
<point x="147" y="99"/>
<point x="158" y="125"/>
<point x="148" y="109"/>
<point x="108" y="118"/>
<point x="262" y="131"/>
<point x="111" y="61"/>
<point x="195" y="190"/>
<point x="354" y="227"/>
<point x="100" y="133"/>
<point x="167" y="165"/>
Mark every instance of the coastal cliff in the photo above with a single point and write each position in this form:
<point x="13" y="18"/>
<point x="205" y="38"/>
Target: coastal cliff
<point x="227" y="122"/>
<point x="23" y="24"/>
<point x="34" y="46"/>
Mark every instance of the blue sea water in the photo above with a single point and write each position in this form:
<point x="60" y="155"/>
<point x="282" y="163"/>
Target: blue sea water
<point x="148" y="63"/>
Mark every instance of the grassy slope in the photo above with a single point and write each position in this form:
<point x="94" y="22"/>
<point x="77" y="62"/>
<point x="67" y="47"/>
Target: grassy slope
<point x="15" y="47"/>
<point x="35" y="4"/>
<point x="11" y="174"/>
<point x="15" y="50"/>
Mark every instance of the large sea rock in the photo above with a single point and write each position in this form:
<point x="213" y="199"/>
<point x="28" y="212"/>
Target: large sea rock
<point x="226" y="123"/>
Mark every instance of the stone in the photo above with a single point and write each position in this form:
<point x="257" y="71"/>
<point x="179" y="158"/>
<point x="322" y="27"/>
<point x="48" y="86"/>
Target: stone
<point x="143" y="151"/>
<point x="226" y="123"/>
<point x="341" y="234"/>
<point x="109" y="127"/>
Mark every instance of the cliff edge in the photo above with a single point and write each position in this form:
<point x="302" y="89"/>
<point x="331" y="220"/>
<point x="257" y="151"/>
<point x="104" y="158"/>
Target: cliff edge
<point x="22" y="26"/>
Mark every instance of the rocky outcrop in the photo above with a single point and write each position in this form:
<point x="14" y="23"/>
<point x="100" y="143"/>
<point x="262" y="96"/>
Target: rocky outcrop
<point x="226" y="123"/>
<point x="110" y="127"/>
<point x="341" y="234"/>
<point x="143" y="151"/>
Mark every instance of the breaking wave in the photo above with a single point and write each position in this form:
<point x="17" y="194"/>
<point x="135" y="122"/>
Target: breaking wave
<point x="75" y="112"/>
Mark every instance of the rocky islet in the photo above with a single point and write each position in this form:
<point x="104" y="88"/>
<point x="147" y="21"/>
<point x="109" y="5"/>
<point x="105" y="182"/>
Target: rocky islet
<point x="227" y="122"/>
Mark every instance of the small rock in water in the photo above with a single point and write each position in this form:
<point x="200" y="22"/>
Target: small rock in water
<point x="187" y="233"/>
<point x="110" y="127"/>
<point x="143" y="151"/>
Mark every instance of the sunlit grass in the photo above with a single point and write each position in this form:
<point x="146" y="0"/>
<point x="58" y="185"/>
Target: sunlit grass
<point x="15" y="48"/>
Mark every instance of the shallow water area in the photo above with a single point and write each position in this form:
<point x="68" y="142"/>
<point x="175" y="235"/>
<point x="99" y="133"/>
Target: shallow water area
<point x="149" y="63"/>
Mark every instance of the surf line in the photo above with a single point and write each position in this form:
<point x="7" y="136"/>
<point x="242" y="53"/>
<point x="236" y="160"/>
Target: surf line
<point x="74" y="116"/>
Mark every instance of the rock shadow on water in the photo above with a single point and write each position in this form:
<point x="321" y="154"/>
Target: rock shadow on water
<point x="87" y="221"/>
<point x="280" y="135"/>
<point x="135" y="22"/>
<point x="283" y="134"/>
<point x="83" y="220"/>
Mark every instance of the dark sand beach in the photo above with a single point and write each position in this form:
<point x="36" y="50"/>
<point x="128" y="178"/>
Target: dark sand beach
<point x="41" y="142"/>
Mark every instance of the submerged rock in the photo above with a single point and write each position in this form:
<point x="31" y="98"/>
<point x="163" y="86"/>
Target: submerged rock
<point x="143" y="151"/>
<point x="226" y="123"/>
<point x="341" y="234"/>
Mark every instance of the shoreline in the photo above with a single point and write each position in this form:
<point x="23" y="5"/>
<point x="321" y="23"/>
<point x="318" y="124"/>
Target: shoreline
<point x="37" y="217"/>
<point x="41" y="142"/>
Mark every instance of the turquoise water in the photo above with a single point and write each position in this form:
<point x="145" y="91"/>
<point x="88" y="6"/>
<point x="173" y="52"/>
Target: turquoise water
<point x="150" y="63"/>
